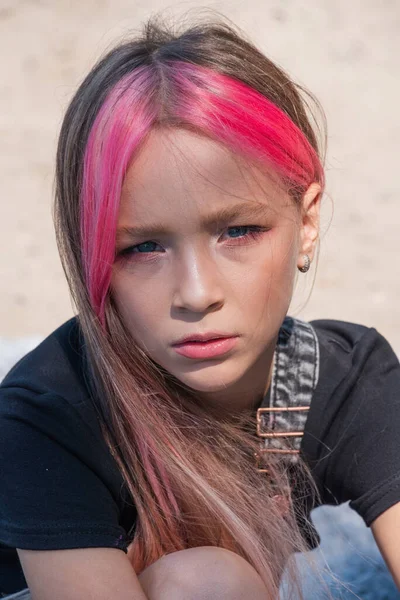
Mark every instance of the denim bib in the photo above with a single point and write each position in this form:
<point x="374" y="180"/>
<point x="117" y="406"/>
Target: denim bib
<point x="282" y="414"/>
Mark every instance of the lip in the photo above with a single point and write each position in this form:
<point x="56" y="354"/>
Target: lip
<point x="205" y="348"/>
<point x="203" y="337"/>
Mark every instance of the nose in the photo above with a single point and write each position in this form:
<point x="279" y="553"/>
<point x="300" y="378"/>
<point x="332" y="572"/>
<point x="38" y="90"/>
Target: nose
<point x="198" y="283"/>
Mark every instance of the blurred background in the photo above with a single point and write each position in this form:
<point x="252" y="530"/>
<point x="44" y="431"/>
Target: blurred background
<point x="346" y="53"/>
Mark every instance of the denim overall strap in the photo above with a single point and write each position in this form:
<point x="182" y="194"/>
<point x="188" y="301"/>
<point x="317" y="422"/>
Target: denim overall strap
<point x="282" y="415"/>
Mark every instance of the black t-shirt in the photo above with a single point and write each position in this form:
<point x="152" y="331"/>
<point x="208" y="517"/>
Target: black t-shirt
<point x="61" y="487"/>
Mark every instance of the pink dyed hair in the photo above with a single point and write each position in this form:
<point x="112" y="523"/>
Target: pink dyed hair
<point x="214" y="104"/>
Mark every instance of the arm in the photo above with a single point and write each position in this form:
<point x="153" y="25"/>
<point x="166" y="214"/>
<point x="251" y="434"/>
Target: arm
<point x="386" y="530"/>
<point x="84" y="573"/>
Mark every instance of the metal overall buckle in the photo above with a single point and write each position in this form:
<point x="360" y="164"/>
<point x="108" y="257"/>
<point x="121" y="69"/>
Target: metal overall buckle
<point x="276" y="435"/>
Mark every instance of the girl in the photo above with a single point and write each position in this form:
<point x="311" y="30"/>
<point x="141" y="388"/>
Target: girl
<point x="164" y="443"/>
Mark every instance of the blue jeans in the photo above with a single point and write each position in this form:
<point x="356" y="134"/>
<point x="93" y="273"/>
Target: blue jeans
<point x="348" y="564"/>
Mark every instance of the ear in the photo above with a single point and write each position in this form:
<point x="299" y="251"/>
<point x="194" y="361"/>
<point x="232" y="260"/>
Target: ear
<point x="310" y="216"/>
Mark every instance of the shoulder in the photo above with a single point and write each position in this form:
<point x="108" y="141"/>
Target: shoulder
<point x="55" y="366"/>
<point x="357" y="368"/>
<point x="45" y="394"/>
<point x="341" y="334"/>
<point x="353" y="359"/>
<point x="351" y="347"/>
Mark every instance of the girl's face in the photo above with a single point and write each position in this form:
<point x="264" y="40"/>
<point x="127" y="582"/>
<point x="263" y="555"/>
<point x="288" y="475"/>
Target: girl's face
<point x="208" y="244"/>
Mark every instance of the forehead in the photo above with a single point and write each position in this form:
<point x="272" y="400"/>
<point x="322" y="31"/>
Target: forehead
<point x="181" y="173"/>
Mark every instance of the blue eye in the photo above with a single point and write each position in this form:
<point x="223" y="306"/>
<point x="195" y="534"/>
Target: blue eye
<point x="145" y="247"/>
<point x="240" y="231"/>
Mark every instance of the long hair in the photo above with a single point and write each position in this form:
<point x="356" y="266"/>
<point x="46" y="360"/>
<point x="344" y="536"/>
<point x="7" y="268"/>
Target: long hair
<point x="190" y="474"/>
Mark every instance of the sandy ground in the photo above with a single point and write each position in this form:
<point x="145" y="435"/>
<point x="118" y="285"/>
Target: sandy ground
<point x="347" y="53"/>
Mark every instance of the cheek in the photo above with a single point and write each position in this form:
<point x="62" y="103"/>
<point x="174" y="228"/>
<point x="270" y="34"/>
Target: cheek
<point x="268" y="282"/>
<point x="140" y="305"/>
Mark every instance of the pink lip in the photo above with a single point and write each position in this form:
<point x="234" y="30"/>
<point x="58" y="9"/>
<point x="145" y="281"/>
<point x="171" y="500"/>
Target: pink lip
<point x="205" y="349"/>
<point x="203" y="337"/>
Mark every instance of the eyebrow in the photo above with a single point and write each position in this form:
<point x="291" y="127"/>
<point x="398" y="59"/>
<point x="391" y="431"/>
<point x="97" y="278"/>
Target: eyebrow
<point x="247" y="210"/>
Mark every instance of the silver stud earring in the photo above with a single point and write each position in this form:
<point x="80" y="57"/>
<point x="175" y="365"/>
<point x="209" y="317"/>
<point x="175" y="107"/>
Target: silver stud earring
<point x="307" y="263"/>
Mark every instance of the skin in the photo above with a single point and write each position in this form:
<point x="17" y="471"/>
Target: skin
<point x="386" y="530"/>
<point x="195" y="277"/>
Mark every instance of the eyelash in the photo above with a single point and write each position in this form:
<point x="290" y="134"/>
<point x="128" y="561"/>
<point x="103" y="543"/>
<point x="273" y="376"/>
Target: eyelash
<point x="254" y="231"/>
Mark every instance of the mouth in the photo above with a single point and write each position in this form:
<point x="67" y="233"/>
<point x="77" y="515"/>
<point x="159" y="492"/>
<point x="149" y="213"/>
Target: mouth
<point x="202" y="338"/>
<point x="203" y="346"/>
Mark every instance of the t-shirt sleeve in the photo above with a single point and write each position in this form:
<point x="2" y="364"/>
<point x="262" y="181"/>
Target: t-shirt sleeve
<point x="356" y="425"/>
<point x="55" y="490"/>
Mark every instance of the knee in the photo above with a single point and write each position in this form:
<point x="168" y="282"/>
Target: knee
<point x="206" y="572"/>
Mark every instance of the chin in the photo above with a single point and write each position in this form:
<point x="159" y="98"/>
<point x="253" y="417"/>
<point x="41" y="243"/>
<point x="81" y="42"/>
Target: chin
<point x="210" y="380"/>
<point x="208" y="387"/>
<point x="211" y="376"/>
